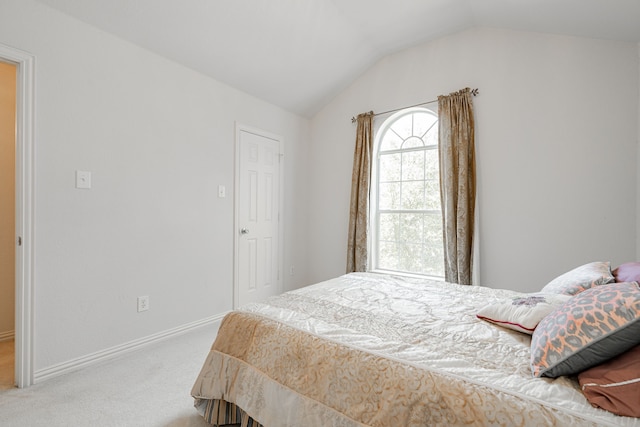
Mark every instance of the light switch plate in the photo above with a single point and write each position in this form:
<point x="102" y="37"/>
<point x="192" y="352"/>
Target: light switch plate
<point x="83" y="179"/>
<point x="222" y="191"/>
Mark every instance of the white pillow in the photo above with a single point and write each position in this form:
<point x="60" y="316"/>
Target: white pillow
<point x="522" y="313"/>
<point x="581" y="278"/>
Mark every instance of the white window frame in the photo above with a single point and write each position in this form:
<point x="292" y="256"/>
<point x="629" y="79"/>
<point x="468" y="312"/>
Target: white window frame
<point x="379" y="131"/>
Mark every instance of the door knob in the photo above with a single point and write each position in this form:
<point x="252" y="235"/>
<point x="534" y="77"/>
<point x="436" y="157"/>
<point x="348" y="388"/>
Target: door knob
<point x="244" y="231"/>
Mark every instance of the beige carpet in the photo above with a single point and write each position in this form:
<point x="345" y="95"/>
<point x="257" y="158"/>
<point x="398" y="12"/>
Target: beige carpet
<point x="149" y="387"/>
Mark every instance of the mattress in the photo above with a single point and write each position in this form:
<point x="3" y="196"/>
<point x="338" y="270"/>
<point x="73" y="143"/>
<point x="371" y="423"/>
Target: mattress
<point x="368" y="349"/>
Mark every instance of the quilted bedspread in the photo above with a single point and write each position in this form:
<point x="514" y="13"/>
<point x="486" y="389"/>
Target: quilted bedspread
<point x="379" y="350"/>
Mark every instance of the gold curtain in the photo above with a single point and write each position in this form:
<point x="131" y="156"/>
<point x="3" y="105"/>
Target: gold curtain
<point x="357" y="247"/>
<point x="457" y="183"/>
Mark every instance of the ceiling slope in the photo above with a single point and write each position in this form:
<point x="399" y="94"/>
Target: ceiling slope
<point x="298" y="54"/>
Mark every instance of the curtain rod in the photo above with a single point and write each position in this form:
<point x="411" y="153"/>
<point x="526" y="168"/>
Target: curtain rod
<point x="474" y="92"/>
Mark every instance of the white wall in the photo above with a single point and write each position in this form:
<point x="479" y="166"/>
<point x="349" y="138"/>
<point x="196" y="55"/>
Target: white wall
<point x="158" y="139"/>
<point x="556" y="140"/>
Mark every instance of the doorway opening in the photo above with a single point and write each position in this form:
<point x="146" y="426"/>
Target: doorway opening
<point x="22" y="239"/>
<point x="8" y="88"/>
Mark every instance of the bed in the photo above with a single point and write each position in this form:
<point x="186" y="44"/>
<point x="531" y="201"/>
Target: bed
<point x="368" y="349"/>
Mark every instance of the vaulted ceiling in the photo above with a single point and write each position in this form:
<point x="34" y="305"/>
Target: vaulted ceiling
<point x="298" y="54"/>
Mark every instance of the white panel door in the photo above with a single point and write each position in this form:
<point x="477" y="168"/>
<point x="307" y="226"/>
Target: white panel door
<point x="257" y="217"/>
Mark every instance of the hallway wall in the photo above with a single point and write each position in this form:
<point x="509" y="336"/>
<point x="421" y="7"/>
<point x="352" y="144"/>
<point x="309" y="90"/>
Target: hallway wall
<point x="7" y="198"/>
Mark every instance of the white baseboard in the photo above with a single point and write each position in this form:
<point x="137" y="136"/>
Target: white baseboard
<point x="8" y="335"/>
<point x="112" y="352"/>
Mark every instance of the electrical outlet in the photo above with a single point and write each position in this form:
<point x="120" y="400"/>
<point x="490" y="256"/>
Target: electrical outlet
<point x="143" y="303"/>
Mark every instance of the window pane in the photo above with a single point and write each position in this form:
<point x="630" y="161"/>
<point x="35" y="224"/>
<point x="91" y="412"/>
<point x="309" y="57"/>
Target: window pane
<point x="434" y="260"/>
<point x="413" y="195"/>
<point x="432" y="195"/>
<point x="433" y="229"/>
<point x="411" y="228"/>
<point x="403" y="127"/>
<point x="388" y="227"/>
<point x="413" y="165"/>
<point x="412" y="142"/>
<point x="391" y="141"/>
<point x="422" y="122"/>
<point x="390" y="167"/>
<point x="388" y="256"/>
<point x="389" y="197"/>
<point x="411" y="257"/>
<point x="431" y="165"/>
<point x="431" y="138"/>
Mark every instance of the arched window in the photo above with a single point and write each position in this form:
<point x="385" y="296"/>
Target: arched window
<point x="407" y="220"/>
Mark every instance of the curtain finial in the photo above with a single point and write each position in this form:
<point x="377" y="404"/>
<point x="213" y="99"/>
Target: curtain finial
<point x="368" y="113"/>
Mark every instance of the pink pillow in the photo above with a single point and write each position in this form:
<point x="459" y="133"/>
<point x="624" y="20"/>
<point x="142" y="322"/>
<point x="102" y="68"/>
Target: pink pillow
<point x="627" y="272"/>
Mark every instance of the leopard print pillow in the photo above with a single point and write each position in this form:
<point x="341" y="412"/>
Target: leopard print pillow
<point x="581" y="278"/>
<point x="590" y="328"/>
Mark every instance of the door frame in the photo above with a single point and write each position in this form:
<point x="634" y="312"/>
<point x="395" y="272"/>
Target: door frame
<point x="25" y="212"/>
<point x="236" y="208"/>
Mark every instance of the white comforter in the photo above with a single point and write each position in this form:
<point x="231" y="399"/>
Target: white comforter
<point x="308" y="357"/>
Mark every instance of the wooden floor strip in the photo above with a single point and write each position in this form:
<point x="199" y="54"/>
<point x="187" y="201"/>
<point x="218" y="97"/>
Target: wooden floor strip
<point x="7" y="364"/>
